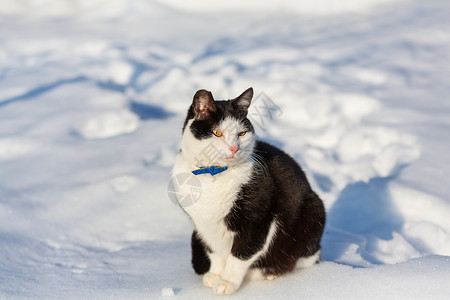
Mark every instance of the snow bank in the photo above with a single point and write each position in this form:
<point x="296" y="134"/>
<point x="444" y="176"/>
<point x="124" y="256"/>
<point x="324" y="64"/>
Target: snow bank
<point x="93" y="98"/>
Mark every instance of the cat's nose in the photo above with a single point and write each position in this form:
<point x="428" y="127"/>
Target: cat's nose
<point x="234" y="149"/>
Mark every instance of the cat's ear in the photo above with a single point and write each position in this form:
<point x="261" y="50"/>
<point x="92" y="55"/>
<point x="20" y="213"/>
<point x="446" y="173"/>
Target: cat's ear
<point x="244" y="100"/>
<point x="203" y="104"/>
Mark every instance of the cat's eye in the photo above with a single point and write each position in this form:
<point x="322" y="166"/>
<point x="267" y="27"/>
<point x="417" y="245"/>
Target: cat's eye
<point x="242" y="133"/>
<point x="217" y="133"/>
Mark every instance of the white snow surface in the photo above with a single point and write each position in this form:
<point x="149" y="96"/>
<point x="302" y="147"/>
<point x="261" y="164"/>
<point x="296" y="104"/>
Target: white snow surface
<point x="93" y="95"/>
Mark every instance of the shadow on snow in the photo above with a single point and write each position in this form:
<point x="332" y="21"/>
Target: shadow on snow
<point x="362" y="215"/>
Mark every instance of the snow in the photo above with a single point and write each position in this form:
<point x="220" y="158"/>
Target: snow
<point x="109" y="125"/>
<point x="93" y="98"/>
<point x="167" y="292"/>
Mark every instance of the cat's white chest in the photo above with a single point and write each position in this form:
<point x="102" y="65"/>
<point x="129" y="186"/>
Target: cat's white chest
<point x="217" y="196"/>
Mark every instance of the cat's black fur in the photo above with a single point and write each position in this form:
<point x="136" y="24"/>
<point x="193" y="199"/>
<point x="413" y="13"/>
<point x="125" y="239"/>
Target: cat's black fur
<point x="279" y="191"/>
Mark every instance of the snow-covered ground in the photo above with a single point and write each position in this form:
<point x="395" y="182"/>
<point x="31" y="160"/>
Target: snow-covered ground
<point x="93" y="95"/>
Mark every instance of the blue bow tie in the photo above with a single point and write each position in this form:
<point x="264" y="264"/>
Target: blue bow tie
<point x="213" y="170"/>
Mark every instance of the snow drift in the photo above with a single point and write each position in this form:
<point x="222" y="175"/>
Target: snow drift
<point x="93" y="96"/>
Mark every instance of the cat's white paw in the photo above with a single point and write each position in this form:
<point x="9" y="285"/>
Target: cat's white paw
<point x="209" y="279"/>
<point x="223" y="287"/>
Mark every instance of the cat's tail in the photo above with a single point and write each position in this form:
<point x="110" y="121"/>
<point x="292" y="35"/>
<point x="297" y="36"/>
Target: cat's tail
<point x="256" y="274"/>
<point x="309" y="261"/>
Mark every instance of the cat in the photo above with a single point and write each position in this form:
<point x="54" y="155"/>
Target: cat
<point x="257" y="215"/>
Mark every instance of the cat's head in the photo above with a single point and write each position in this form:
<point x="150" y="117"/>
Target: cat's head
<point x="218" y="133"/>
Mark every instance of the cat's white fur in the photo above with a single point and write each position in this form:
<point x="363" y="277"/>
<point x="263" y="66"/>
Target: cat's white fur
<point x="218" y="194"/>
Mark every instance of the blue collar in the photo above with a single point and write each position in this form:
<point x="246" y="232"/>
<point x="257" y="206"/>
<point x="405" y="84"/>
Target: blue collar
<point x="213" y="170"/>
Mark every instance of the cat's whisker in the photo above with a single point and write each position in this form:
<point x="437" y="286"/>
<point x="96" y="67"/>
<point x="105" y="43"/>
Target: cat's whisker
<point x="258" y="161"/>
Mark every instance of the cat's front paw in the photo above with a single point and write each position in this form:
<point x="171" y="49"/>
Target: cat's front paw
<point x="223" y="287"/>
<point x="209" y="279"/>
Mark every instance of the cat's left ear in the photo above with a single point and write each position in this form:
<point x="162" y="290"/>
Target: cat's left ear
<point x="203" y="104"/>
<point x="244" y="100"/>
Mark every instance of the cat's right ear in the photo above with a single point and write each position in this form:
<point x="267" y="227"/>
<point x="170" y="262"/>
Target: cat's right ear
<point x="203" y="104"/>
<point x="244" y="100"/>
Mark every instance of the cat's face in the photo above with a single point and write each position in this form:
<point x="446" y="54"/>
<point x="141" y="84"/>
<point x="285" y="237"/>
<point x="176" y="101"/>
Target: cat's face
<point x="218" y="133"/>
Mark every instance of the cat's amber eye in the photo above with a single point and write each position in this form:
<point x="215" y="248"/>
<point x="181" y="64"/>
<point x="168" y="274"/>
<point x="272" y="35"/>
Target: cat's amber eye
<point x="217" y="133"/>
<point x="242" y="133"/>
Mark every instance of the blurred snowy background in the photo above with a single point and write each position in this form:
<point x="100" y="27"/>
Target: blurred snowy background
<point x="93" y="94"/>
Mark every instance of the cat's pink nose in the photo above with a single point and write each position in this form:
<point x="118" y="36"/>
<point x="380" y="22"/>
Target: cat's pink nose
<point x="234" y="149"/>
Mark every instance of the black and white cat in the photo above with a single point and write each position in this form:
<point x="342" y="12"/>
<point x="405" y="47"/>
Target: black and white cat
<point x="257" y="215"/>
